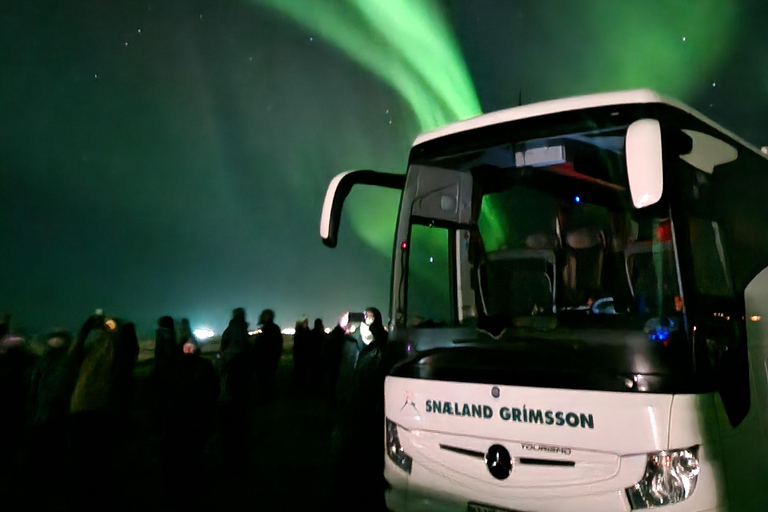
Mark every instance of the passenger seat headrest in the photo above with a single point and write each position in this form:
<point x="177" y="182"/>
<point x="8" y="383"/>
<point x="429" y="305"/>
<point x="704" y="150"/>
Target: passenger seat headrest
<point x="584" y="238"/>
<point x="541" y="241"/>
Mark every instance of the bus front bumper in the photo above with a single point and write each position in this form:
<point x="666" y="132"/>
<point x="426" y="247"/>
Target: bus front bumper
<point x="428" y="492"/>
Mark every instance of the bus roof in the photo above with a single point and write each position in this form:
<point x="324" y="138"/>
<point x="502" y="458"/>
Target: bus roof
<point x="574" y="103"/>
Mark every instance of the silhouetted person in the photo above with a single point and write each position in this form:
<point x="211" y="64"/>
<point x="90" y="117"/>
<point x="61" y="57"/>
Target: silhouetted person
<point x="316" y="367"/>
<point x="16" y="363"/>
<point x="126" y="355"/>
<point x="342" y="419"/>
<point x="302" y="338"/>
<point x="51" y="386"/>
<point x="362" y="420"/>
<point x="166" y="348"/>
<point x="236" y="379"/>
<point x="166" y="351"/>
<point x="52" y="383"/>
<point x="5" y="325"/>
<point x="368" y="400"/>
<point x="369" y="372"/>
<point x="193" y="392"/>
<point x="269" y="347"/>
<point x="235" y="337"/>
<point x="331" y="360"/>
<point x="107" y="350"/>
<point x="186" y="334"/>
<point x="350" y="349"/>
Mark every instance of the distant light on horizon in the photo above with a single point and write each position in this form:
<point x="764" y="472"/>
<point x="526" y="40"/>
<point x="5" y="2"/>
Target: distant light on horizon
<point x="327" y="330"/>
<point x="204" y="333"/>
<point x="290" y="331"/>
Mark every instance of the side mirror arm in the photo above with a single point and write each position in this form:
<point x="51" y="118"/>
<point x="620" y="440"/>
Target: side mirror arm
<point x="339" y="189"/>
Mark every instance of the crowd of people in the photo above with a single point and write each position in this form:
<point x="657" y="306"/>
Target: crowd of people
<point x="65" y="410"/>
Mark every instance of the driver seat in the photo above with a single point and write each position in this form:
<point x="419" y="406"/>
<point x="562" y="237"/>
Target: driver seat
<point x="584" y="255"/>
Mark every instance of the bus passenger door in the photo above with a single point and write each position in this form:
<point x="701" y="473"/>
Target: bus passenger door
<point x="756" y="301"/>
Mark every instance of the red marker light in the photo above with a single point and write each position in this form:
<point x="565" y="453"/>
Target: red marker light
<point x="404" y="245"/>
<point x="664" y="231"/>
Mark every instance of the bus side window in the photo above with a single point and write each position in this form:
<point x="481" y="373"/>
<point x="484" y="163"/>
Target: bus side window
<point x="720" y="334"/>
<point x="709" y="264"/>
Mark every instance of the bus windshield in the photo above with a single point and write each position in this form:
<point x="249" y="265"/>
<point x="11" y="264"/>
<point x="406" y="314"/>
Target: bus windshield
<point x="556" y="243"/>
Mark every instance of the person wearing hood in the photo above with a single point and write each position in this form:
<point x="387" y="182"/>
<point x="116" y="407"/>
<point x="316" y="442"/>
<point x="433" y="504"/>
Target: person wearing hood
<point x="16" y="364"/>
<point x="193" y="391"/>
<point x="361" y="408"/>
<point x="269" y="346"/>
<point x="333" y="344"/>
<point x="166" y="351"/>
<point x="302" y="339"/>
<point x="51" y="386"/>
<point x="370" y="371"/>
<point x="368" y="401"/>
<point x="186" y="334"/>
<point x="166" y="348"/>
<point x="126" y="356"/>
<point x="105" y="352"/>
<point x="236" y="373"/>
<point x="235" y="336"/>
<point x="235" y="356"/>
<point x="316" y="367"/>
<point x="347" y="349"/>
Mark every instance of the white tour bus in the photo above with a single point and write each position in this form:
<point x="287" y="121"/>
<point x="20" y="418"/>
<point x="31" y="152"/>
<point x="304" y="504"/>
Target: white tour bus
<point x="578" y="309"/>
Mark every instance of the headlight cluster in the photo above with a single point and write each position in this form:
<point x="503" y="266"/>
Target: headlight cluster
<point x="670" y="477"/>
<point x="395" y="450"/>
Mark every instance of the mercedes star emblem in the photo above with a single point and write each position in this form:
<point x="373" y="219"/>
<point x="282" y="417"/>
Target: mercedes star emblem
<point x="498" y="461"/>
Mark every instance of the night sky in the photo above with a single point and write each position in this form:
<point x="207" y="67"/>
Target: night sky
<point x="171" y="157"/>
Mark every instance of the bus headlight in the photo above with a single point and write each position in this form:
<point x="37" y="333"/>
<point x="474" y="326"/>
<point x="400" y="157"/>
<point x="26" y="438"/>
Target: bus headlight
<point x="395" y="450"/>
<point x="670" y="477"/>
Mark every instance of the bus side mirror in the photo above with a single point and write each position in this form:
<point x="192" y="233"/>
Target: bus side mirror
<point x="339" y="189"/>
<point x="644" y="162"/>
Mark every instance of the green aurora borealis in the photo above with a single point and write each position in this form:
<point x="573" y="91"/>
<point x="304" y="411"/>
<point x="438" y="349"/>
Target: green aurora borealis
<point x="171" y="157"/>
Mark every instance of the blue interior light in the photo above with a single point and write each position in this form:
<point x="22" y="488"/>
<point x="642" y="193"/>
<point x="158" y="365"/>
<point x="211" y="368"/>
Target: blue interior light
<point x="661" y="329"/>
<point x="659" y="334"/>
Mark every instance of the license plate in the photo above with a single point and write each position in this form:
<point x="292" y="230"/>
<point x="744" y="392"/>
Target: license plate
<point x="479" y="507"/>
